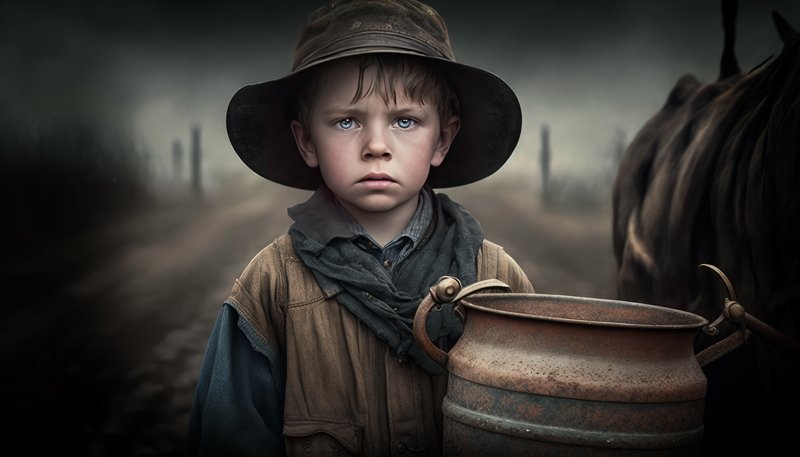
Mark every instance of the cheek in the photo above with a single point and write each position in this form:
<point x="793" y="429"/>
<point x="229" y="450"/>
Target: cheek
<point x="334" y="167"/>
<point x="330" y="166"/>
<point x="424" y="147"/>
<point x="329" y="150"/>
<point x="419" y="143"/>
<point x="420" y="165"/>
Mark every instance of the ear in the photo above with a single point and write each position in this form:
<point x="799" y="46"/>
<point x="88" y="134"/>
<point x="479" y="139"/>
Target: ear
<point x="447" y="134"/>
<point x="305" y="144"/>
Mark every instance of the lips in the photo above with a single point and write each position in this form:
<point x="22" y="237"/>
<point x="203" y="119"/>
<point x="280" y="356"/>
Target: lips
<point x="376" y="181"/>
<point x="377" y="177"/>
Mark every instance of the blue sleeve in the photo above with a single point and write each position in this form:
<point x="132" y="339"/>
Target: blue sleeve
<point x="238" y="403"/>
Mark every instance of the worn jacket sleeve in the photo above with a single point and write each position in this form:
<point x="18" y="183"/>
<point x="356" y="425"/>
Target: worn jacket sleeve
<point x="238" y="403"/>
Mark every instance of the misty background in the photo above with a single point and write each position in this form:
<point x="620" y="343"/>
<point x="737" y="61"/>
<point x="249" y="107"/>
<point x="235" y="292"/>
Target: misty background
<point x="151" y="69"/>
<point x="113" y="269"/>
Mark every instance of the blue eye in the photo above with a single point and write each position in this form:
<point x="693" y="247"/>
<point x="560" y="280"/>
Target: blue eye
<point x="405" y="123"/>
<point x="345" y="124"/>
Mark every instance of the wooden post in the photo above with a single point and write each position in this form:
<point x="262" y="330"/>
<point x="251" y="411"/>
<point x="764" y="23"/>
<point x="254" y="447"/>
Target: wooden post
<point x="177" y="160"/>
<point x="544" y="160"/>
<point x="195" y="157"/>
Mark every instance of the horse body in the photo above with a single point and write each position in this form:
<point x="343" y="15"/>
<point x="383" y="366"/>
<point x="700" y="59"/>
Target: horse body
<point x="714" y="177"/>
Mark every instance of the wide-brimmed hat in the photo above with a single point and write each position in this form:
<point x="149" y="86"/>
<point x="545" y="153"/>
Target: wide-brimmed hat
<point x="491" y="117"/>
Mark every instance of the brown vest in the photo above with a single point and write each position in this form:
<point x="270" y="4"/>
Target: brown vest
<point x="346" y="391"/>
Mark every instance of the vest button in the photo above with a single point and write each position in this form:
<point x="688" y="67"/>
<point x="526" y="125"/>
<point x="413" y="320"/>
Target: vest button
<point x="307" y="451"/>
<point x="401" y="447"/>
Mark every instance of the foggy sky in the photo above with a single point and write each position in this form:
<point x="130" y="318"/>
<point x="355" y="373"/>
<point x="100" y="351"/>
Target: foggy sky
<point x="154" y="68"/>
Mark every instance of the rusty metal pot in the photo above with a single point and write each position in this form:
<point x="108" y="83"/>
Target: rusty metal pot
<point x="557" y="375"/>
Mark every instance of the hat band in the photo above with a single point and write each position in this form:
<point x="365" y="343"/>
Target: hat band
<point x="369" y="42"/>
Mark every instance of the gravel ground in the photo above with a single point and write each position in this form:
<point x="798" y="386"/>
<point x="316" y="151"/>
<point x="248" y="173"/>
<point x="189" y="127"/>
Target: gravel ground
<point x="107" y="365"/>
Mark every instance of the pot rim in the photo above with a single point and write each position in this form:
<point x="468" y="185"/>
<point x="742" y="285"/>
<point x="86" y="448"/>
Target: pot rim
<point x="684" y="320"/>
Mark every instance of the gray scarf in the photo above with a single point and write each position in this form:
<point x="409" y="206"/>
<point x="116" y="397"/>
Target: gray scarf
<point x="387" y="300"/>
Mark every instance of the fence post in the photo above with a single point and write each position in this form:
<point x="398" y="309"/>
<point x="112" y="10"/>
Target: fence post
<point x="195" y="157"/>
<point x="544" y="160"/>
<point x="177" y="160"/>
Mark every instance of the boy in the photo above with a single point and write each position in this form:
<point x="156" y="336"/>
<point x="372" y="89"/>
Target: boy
<point x="313" y="352"/>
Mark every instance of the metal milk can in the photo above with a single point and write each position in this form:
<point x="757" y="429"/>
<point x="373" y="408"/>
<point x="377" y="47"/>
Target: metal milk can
<point x="556" y="375"/>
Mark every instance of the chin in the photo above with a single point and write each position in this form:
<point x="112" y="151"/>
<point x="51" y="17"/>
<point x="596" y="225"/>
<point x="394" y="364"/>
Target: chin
<point x="378" y="204"/>
<point x="377" y="207"/>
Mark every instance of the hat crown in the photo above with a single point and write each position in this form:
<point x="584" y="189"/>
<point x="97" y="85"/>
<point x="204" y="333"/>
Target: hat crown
<point x="350" y="27"/>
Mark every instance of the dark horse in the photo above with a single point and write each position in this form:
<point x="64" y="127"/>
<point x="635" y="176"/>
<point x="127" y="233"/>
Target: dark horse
<point x="714" y="177"/>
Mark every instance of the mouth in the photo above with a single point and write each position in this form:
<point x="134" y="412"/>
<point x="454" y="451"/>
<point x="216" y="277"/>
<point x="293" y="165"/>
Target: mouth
<point x="376" y="180"/>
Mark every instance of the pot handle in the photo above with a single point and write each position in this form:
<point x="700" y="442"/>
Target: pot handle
<point x="736" y="315"/>
<point x="448" y="290"/>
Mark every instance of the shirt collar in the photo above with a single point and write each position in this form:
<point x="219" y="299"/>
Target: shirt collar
<point x="416" y="226"/>
<point x="322" y="218"/>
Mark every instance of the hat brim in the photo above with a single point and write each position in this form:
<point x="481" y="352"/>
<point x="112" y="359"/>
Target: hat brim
<point x="491" y="121"/>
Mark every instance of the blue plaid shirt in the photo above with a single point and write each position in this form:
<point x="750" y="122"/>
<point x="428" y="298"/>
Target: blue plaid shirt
<point x="396" y="250"/>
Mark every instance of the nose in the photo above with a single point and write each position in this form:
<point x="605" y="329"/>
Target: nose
<point x="377" y="146"/>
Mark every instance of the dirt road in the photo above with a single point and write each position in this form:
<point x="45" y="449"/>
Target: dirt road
<point x="108" y="365"/>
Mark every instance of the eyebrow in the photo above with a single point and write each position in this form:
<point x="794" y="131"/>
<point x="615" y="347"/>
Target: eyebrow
<point x="344" y="111"/>
<point x="350" y="111"/>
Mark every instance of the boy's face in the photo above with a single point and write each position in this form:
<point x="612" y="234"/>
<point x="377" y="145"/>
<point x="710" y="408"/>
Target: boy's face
<point x="374" y="157"/>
